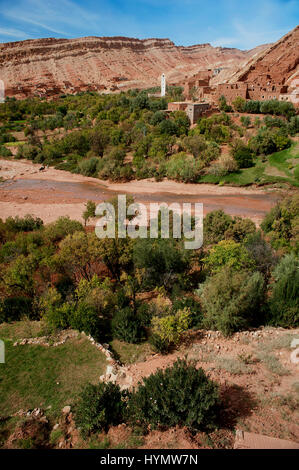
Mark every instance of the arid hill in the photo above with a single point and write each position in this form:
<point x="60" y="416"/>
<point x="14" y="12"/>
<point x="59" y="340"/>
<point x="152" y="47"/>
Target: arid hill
<point x="279" y="63"/>
<point x="47" y="67"/>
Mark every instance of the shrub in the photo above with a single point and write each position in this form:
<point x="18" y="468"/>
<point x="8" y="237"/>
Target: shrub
<point x="239" y="104"/>
<point x="169" y="328"/>
<point x="282" y="222"/>
<point x="240" y="229"/>
<point x="62" y="227"/>
<point x="223" y="166"/>
<point x="86" y="318"/>
<point x="244" y="157"/>
<point x="99" y="406"/>
<point x="261" y="252"/>
<point x="230" y="254"/>
<point x="26" y="224"/>
<point x="215" y="225"/>
<point x="5" y="152"/>
<point x="246" y="121"/>
<point x="181" y="395"/>
<point x="126" y="326"/>
<point x="284" y="300"/>
<point x="59" y="317"/>
<point x="89" y="166"/>
<point x="231" y="300"/>
<point x="194" y="307"/>
<point x="182" y="167"/>
<point x="14" y="308"/>
<point x="162" y="260"/>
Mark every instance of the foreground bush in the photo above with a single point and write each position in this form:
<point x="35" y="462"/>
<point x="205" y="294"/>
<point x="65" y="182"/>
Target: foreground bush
<point x="231" y="300"/>
<point x="180" y="395"/>
<point x="99" y="407"/>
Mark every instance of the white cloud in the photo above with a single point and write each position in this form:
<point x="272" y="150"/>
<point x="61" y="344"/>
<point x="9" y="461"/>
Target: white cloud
<point x="225" y="42"/>
<point x="11" y="32"/>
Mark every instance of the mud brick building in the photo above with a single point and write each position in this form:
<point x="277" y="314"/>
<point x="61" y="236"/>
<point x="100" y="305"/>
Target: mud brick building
<point x="193" y="110"/>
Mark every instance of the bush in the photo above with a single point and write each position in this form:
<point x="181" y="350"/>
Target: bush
<point x="182" y="167"/>
<point x="5" y="152"/>
<point x="231" y="300"/>
<point x="282" y="223"/>
<point x="162" y="260"/>
<point x="192" y="305"/>
<point x="86" y="318"/>
<point x="126" y="326"/>
<point x="244" y="157"/>
<point x="181" y="395"/>
<point x="62" y="227"/>
<point x="15" y="308"/>
<point x="230" y="254"/>
<point x="168" y="329"/>
<point x="284" y="300"/>
<point x="223" y="166"/>
<point x="99" y="407"/>
<point x="89" y="166"/>
<point x="25" y="224"/>
<point x="215" y="225"/>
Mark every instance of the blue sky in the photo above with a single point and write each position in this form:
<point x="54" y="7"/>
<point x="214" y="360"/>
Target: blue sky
<point x="227" y="23"/>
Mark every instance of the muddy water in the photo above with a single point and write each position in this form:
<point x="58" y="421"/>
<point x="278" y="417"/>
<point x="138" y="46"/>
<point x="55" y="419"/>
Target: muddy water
<point x="249" y="205"/>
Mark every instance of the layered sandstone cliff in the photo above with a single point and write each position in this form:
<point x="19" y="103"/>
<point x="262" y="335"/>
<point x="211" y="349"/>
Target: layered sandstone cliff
<point x="47" y="67"/>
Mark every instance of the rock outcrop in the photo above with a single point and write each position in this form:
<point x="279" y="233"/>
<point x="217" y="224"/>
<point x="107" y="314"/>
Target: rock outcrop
<point x="279" y="63"/>
<point x="49" y="67"/>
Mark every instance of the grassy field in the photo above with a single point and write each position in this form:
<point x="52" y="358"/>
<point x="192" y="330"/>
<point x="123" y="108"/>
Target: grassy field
<point x="37" y="376"/>
<point x="280" y="167"/>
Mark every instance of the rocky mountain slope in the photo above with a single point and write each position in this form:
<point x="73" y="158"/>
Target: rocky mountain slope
<point x="46" y="67"/>
<point x="279" y="62"/>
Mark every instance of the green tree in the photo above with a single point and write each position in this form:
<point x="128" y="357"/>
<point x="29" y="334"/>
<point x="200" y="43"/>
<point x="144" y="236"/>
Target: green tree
<point x="230" y="254"/>
<point x="232" y="300"/>
<point x="89" y="212"/>
<point x="239" y="104"/>
<point x="284" y="299"/>
<point x="215" y="224"/>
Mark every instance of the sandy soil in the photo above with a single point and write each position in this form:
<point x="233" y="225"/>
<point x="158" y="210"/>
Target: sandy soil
<point x="51" y="193"/>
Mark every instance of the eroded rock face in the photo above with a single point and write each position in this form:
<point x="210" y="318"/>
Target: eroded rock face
<point x="279" y="63"/>
<point x="49" y="67"/>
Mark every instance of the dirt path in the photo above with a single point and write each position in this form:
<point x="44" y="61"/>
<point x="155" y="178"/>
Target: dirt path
<point x="51" y="193"/>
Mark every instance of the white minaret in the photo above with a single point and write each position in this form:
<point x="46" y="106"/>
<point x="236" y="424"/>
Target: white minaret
<point x="2" y="92"/>
<point x="163" y="84"/>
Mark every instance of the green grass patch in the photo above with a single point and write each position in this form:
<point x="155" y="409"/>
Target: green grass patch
<point x="21" y="329"/>
<point x="130" y="353"/>
<point x="279" y="161"/>
<point x="38" y="376"/>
